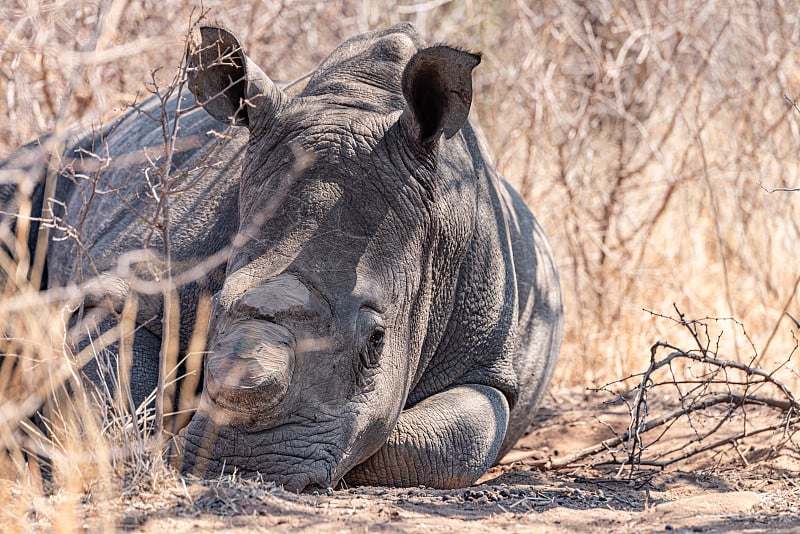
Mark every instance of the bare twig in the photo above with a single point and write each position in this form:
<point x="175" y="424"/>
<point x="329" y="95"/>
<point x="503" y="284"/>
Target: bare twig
<point x="738" y="381"/>
<point x="572" y="459"/>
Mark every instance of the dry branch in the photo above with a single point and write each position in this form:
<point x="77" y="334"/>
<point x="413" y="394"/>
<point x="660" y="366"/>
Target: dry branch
<point x="724" y="383"/>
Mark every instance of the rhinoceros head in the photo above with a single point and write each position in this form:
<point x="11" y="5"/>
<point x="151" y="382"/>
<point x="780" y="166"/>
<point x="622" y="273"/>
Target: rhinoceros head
<point x="352" y="214"/>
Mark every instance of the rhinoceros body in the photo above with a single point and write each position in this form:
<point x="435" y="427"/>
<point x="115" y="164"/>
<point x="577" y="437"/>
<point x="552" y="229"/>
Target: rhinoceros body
<point x="387" y="309"/>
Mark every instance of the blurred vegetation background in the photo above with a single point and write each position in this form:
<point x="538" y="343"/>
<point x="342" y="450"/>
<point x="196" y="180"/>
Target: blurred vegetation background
<point x="645" y="136"/>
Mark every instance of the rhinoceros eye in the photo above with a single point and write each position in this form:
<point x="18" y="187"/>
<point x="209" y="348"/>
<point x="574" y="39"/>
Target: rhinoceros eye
<point x="373" y="337"/>
<point x="372" y="352"/>
<point x="376" y="340"/>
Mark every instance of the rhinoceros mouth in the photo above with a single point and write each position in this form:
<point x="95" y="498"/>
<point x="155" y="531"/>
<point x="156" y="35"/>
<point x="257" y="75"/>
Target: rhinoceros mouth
<point x="279" y="454"/>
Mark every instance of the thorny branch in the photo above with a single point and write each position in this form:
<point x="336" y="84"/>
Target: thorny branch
<point x="722" y="390"/>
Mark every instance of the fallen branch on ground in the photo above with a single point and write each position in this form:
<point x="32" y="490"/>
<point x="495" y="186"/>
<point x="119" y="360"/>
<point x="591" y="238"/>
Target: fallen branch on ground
<point x="723" y="383"/>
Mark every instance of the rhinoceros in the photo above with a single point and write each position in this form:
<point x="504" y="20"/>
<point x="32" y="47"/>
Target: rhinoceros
<point x="386" y="308"/>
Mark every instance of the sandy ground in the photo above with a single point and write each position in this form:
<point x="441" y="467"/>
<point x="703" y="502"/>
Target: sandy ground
<point x="750" y="488"/>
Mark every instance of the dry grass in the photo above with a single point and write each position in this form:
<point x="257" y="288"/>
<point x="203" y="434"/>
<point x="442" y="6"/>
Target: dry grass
<point x="643" y="137"/>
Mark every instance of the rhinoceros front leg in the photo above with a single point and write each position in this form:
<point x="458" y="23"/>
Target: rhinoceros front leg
<point x="445" y="441"/>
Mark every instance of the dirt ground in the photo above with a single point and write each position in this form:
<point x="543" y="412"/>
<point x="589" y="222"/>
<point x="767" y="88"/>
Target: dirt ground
<point x="752" y="487"/>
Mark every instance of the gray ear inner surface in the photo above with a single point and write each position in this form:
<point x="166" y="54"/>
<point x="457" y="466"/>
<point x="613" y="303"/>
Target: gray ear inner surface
<point x="217" y="74"/>
<point x="225" y="82"/>
<point x="437" y="85"/>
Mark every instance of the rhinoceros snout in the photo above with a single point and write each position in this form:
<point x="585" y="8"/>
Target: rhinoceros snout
<point x="250" y="368"/>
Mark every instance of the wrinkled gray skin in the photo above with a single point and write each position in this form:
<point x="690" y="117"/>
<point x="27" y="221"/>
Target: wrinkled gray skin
<point x="390" y="311"/>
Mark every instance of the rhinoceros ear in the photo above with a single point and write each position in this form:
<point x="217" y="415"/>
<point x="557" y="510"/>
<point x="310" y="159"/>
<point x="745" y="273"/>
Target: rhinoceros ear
<point x="437" y="85"/>
<point x="228" y="84"/>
